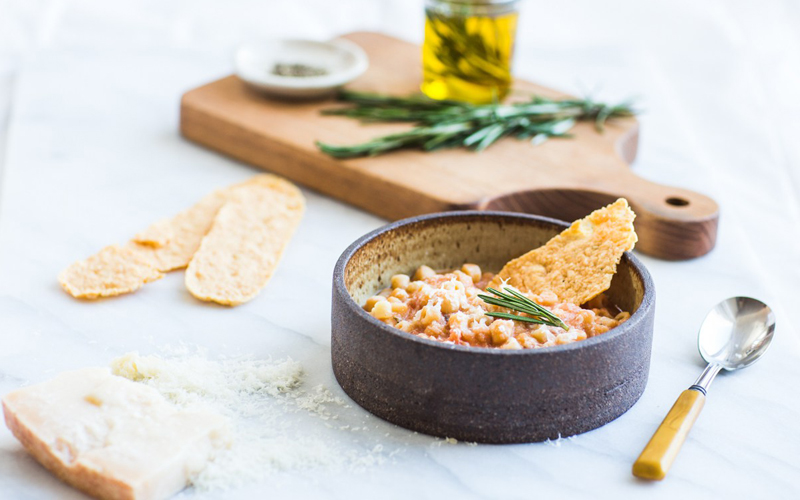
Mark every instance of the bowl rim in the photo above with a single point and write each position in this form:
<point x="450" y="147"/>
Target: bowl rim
<point x="641" y="313"/>
<point x="327" y="81"/>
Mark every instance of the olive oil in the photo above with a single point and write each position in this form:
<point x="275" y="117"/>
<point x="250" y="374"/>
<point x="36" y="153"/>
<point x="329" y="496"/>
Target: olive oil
<point x="468" y="49"/>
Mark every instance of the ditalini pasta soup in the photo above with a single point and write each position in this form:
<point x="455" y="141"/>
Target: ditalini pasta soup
<point x="549" y="296"/>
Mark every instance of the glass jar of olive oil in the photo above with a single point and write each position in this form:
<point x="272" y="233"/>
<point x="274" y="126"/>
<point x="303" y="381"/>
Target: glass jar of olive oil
<point x="468" y="48"/>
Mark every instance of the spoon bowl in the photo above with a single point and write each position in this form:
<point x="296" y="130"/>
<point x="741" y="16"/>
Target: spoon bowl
<point x="736" y="332"/>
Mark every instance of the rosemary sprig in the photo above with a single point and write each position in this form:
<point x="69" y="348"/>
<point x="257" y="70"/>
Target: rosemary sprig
<point x="443" y="124"/>
<point x="515" y="301"/>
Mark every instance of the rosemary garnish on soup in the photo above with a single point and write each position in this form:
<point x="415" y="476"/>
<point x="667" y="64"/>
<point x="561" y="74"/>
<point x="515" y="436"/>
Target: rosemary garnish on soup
<point x="515" y="301"/>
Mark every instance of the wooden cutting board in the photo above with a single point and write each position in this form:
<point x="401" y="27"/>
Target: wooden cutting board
<point x="562" y="178"/>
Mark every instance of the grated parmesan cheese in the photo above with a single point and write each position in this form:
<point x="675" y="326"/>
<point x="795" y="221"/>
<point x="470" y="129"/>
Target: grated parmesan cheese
<point x="264" y="400"/>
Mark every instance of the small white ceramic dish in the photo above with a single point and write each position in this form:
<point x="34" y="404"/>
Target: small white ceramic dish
<point x="342" y="60"/>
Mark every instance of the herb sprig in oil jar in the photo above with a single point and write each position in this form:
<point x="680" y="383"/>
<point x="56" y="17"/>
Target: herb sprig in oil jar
<point x="468" y="49"/>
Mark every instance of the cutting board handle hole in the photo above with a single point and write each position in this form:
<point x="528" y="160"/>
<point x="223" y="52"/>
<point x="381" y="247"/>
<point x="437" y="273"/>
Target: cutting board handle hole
<point x="677" y="201"/>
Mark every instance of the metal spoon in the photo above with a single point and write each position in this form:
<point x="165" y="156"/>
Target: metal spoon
<point x="734" y="335"/>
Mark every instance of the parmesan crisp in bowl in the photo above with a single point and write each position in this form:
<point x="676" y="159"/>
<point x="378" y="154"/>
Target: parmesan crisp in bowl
<point x="494" y="327"/>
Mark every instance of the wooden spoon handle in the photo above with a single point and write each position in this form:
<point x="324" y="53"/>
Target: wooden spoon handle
<point x="659" y="454"/>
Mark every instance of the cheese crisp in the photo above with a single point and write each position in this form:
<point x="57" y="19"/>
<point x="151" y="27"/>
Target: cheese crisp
<point x="158" y="235"/>
<point x="240" y="253"/>
<point x="578" y="264"/>
<point x="171" y="244"/>
<point x="112" y="271"/>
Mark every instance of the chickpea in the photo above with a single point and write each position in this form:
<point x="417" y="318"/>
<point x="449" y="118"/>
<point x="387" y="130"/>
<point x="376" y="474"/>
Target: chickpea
<point x="499" y="337"/>
<point x="424" y="272"/>
<point x="501" y="331"/>
<point x="450" y="305"/>
<point x="463" y="278"/>
<point x="372" y="301"/>
<point x="400" y="294"/>
<point x="511" y="344"/>
<point x="399" y="308"/>
<point x="400" y="281"/>
<point x="382" y="310"/>
<point x="540" y="334"/>
<point x="429" y="314"/>
<point x="454" y="286"/>
<point x="473" y="271"/>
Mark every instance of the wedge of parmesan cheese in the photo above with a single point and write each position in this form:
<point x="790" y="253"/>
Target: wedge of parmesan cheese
<point x="113" y="438"/>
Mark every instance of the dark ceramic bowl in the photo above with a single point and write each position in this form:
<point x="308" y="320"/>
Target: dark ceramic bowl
<point x="482" y="394"/>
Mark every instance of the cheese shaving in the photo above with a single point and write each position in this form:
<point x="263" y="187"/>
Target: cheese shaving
<point x="264" y="400"/>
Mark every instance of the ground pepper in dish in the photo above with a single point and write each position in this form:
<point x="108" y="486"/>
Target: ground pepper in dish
<point x="446" y="306"/>
<point x="297" y="70"/>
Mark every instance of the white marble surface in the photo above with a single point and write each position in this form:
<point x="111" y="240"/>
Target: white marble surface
<point x="93" y="155"/>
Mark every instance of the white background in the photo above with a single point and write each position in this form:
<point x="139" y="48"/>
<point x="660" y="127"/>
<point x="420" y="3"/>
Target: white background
<point x="89" y="91"/>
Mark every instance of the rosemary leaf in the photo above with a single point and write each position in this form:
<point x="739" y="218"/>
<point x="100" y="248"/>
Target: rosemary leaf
<point x="515" y="317"/>
<point x="495" y="131"/>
